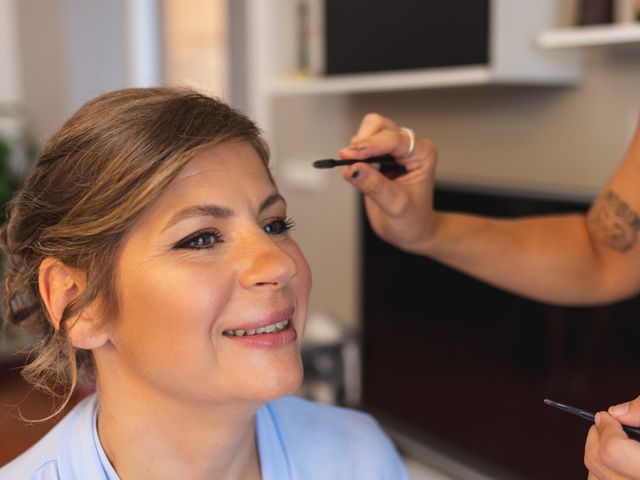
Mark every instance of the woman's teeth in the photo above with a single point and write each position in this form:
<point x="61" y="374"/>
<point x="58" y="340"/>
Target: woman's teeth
<point x="274" y="327"/>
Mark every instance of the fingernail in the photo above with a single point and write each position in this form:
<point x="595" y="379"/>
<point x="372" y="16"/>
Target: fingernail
<point x="597" y="419"/>
<point x="355" y="174"/>
<point x="619" y="410"/>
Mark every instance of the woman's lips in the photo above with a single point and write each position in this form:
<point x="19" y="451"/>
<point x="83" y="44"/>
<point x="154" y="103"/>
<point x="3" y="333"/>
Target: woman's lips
<point x="271" y="328"/>
<point x="271" y="321"/>
<point x="273" y="331"/>
<point x="264" y="340"/>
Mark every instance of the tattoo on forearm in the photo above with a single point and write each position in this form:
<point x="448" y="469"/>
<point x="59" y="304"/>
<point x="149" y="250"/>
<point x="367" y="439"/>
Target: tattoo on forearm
<point x="614" y="222"/>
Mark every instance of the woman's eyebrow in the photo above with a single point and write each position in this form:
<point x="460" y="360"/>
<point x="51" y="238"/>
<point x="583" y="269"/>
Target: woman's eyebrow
<point x="270" y="200"/>
<point x="216" y="211"/>
<point x="199" y="211"/>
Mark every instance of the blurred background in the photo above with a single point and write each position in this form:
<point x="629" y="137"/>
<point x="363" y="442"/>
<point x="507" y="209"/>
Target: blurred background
<point x="532" y="105"/>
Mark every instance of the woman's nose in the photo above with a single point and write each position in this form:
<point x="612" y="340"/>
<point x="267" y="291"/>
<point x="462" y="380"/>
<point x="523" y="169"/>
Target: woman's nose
<point x="267" y="264"/>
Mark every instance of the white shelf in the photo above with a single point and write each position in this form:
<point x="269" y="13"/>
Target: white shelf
<point x="590" y="36"/>
<point x="382" y="81"/>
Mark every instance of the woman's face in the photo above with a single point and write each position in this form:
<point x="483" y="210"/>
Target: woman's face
<point x="212" y="290"/>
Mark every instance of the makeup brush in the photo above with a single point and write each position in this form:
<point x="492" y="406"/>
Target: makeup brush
<point x="387" y="163"/>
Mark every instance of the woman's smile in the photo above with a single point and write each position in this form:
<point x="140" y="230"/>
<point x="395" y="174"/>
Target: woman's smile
<point x="272" y="331"/>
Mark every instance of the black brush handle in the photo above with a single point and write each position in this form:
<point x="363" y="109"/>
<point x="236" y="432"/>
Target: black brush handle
<point x="330" y="162"/>
<point x="632" y="432"/>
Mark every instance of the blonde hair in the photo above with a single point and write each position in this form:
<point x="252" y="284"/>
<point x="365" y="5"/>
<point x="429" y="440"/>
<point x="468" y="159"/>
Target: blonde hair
<point x="110" y="160"/>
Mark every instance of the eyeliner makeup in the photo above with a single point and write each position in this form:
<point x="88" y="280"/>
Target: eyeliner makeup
<point x="387" y="163"/>
<point x="632" y="432"/>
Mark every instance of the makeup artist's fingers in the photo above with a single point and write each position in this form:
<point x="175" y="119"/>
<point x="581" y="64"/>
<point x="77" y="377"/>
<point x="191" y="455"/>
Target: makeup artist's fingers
<point x="597" y="470"/>
<point x="400" y="210"/>
<point x="373" y="123"/>
<point x="627" y="413"/>
<point x="620" y="453"/>
<point x="387" y="141"/>
<point x="389" y="196"/>
<point x="609" y="452"/>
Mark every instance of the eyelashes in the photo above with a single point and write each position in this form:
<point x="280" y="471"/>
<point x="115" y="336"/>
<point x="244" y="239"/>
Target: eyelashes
<point x="200" y="240"/>
<point x="279" y="225"/>
<point x="209" y="238"/>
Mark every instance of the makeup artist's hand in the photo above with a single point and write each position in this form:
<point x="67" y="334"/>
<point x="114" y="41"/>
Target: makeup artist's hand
<point x="400" y="210"/>
<point x="609" y="453"/>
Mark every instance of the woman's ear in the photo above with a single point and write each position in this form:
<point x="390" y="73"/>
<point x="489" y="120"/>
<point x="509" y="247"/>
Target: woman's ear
<point x="59" y="285"/>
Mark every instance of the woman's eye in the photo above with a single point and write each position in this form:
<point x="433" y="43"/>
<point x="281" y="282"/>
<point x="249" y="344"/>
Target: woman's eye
<point x="200" y="240"/>
<point x="279" y="225"/>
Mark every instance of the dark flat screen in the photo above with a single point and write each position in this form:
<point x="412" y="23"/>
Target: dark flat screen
<point x="376" y="35"/>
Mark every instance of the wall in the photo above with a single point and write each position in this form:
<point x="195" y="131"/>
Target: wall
<point x="195" y="44"/>
<point x="74" y="50"/>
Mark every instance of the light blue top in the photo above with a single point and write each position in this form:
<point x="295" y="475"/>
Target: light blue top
<point x="297" y="440"/>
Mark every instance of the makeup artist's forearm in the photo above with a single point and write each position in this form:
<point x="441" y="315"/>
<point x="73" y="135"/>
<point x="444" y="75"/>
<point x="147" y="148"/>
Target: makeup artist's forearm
<point x="553" y="258"/>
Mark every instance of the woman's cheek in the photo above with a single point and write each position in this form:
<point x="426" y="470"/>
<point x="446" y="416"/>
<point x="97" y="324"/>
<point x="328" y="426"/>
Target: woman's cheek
<point x="304" y="278"/>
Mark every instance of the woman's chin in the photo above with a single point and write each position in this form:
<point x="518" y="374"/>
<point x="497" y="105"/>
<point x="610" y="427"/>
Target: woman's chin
<point x="278" y="384"/>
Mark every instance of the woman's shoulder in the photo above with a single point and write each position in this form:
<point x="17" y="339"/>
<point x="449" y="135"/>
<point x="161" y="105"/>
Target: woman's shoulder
<point x="42" y="460"/>
<point x="342" y="440"/>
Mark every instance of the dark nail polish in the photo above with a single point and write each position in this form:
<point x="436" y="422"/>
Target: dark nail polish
<point x="355" y="174"/>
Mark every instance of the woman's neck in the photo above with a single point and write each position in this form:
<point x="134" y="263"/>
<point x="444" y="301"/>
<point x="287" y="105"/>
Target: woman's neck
<point x="151" y="435"/>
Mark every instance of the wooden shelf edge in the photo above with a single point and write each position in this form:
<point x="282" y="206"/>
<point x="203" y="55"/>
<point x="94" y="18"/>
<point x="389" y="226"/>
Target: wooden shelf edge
<point x="593" y="35"/>
<point x="382" y="81"/>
